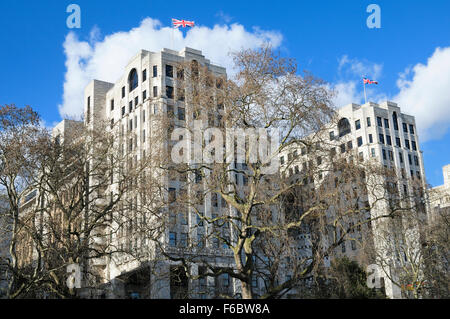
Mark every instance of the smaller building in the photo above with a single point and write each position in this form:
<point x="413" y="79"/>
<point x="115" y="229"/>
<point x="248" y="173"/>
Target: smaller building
<point x="440" y="195"/>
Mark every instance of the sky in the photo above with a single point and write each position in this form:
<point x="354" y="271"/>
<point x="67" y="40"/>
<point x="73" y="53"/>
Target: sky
<point x="45" y="64"/>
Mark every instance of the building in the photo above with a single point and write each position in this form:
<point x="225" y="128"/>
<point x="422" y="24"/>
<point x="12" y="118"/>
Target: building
<point x="440" y="195"/>
<point x="377" y="133"/>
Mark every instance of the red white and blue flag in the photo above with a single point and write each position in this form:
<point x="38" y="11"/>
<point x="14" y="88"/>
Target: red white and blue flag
<point x="182" y="23"/>
<point x="367" y="81"/>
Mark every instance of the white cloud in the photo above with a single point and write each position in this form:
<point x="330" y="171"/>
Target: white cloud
<point x="105" y="60"/>
<point x="425" y="94"/>
<point x="349" y="87"/>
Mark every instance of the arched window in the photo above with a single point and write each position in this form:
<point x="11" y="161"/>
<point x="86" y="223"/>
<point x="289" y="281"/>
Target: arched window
<point x="395" y="120"/>
<point x="133" y="80"/>
<point x="344" y="127"/>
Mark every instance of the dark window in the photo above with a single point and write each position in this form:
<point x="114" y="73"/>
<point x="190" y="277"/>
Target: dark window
<point x="123" y="110"/>
<point x="411" y="128"/>
<point x="384" y="154"/>
<point x="144" y="96"/>
<point x="342" y="148"/>
<point x="400" y="155"/>
<point x="155" y="91"/>
<point x="112" y="105"/>
<point x="350" y="145"/>
<point x="130" y="106"/>
<point x="386" y="123"/>
<point x="133" y="80"/>
<point x="380" y="122"/>
<point x="391" y="155"/>
<point x="360" y="141"/>
<point x="155" y="71"/>
<point x="173" y="239"/>
<point x="369" y="124"/>
<point x="169" y="71"/>
<point x="331" y="136"/>
<point x="405" y="128"/>
<point x="144" y="75"/>
<point x="407" y="144"/>
<point x="181" y="114"/>
<point x="136" y="101"/>
<point x="358" y="124"/>
<point x="344" y="127"/>
<point x="123" y="92"/>
<point x="388" y="140"/>
<point x="395" y="120"/>
<point x="414" y="145"/>
<point x="416" y="160"/>
<point x="88" y="115"/>
<point x="282" y="160"/>
<point x="409" y="159"/>
<point x="169" y="92"/>
<point x="397" y="141"/>
<point x="381" y="138"/>
<point x="370" y="138"/>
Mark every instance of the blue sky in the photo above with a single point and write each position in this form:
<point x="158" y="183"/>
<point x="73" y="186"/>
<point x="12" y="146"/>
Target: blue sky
<point x="329" y="38"/>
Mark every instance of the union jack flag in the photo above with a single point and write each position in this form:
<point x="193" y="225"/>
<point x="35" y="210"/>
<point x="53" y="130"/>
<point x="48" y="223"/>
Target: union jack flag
<point x="367" y="81"/>
<point x="182" y="23"/>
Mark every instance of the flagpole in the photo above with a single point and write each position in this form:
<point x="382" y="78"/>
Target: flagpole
<point x="365" y="96"/>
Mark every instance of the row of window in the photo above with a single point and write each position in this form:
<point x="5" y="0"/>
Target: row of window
<point x="183" y="240"/>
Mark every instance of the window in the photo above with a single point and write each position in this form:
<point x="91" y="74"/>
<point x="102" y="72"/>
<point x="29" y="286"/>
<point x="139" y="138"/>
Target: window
<point x="342" y="148"/>
<point x="144" y="96"/>
<point x="388" y="140"/>
<point x="391" y="155"/>
<point x="370" y="138"/>
<point x="88" y="113"/>
<point x="169" y="92"/>
<point x="372" y="152"/>
<point x="123" y="92"/>
<point x="130" y="107"/>
<point x="144" y="75"/>
<point x="411" y="128"/>
<point x="143" y="116"/>
<point x="172" y="195"/>
<point x="344" y="127"/>
<point x="369" y="124"/>
<point x="360" y="141"/>
<point x="136" y="101"/>
<point x="353" y="245"/>
<point x="405" y="128"/>
<point x="409" y="159"/>
<point x="132" y="80"/>
<point x="331" y="136"/>
<point x="143" y="136"/>
<point x="183" y="219"/>
<point x="397" y="141"/>
<point x="123" y="111"/>
<point x="414" y="145"/>
<point x="400" y="155"/>
<point x="112" y="105"/>
<point x="200" y="241"/>
<point x="350" y="145"/>
<point x="386" y="123"/>
<point x="384" y="154"/>
<point x="173" y="239"/>
<point x="181" y="114"/>
<point x="282" y="160"/>
<point x="169" y="71"/>
<point x="358" y="124"/>
<point x="155" y="91"/>
<point x="416" y="160"/>
<point x="381" y="138"/>
<point x="155" y="71"/>
<point x="183" y="239"/>
<point x="407" y="144"/>
<point x="380" y="122"/>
